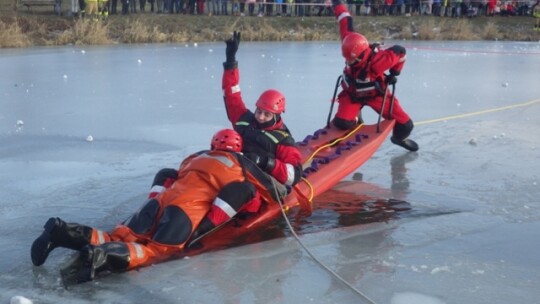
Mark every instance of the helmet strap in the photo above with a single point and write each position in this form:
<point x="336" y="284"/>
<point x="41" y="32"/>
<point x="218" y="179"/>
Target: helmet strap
<point x="270" y="123"/>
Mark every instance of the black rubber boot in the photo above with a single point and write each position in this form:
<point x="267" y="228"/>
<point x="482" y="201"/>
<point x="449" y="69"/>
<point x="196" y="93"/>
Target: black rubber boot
<point x="58" y="233"/>
<point x="407" y="143"/>
<point x="113" y="256"/>
<point x="205" y="227"/>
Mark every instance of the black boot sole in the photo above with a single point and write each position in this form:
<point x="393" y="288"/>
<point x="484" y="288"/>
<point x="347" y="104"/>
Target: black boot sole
<point x="408" y="144"/>
<point x="42" y="246"/>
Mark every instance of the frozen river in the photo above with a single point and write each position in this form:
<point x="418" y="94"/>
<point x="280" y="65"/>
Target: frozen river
<point x="470" y="234"/>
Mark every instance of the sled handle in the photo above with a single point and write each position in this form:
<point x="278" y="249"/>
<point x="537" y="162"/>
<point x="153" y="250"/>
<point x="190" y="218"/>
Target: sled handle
<point x="338" y="82"/>
<point x="391" y="110"/>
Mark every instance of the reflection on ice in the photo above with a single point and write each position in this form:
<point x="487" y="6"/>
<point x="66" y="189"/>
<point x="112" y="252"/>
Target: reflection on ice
<point x="411" y="297"/>
<point x="20" y="300"/>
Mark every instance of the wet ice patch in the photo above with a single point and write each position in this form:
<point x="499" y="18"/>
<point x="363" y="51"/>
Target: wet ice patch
<point x="20" y="300"/>
<point x="19" y="125"/>
<point x="478" y="271"/>
<point x="440" y="269"/>
<point x="412" y="297"/>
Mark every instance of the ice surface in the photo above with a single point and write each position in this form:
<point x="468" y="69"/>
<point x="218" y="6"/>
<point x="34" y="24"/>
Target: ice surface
<point x="83" y="130"/>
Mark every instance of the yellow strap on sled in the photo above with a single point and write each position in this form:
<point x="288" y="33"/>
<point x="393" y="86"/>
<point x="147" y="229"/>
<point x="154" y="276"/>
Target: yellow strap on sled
<point x="330" y="144"/>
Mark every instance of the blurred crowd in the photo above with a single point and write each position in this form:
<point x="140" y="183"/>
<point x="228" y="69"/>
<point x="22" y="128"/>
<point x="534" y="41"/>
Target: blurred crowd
<point x="301" y="8"/>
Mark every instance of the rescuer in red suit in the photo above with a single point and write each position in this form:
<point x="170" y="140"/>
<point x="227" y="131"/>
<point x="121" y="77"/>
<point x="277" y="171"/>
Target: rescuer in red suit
<point x="267" y="140"/>
<point x="365" y="82"/>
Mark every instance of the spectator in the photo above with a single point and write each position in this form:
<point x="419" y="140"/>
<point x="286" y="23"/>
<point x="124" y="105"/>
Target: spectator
<point x="358" y="7"/>
<point x="436" y="9"/>
<point x="491" y="5"/>
<point x="398" y="7"/>
<point x="368" y="4"/>
<point x="251" y="7"/>
<point x="213" y="7"/>
<point x="388" y="7"/>
<point x="536" y="14"/>
<point x="269" y="7"/>
<point x="132" y="6"/>
<point x="260" y="11"/>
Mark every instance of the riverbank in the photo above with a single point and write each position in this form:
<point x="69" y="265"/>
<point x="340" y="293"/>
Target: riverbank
<point x="42" y="28"/>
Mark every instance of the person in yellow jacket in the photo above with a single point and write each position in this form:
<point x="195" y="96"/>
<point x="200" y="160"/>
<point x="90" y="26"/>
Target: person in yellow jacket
<point x="103" y="8"/>
<point x="91" y="7"/>
<point x="536" y="14"/>
<point x="210" y="188"/>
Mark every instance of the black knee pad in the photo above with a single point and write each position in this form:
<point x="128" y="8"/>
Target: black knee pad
<point x="141" y="222"/>
<point x="398" y="49"/>
<point x="163" y="175"/>
<point x="237" y="194"/>
<point x="343" y="124"/>
<point x="402" y="131"/>
<point x="174" y="227"/>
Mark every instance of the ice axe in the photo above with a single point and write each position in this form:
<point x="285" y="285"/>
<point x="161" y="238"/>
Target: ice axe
<point x="338" y="82"/>
<point x="391" y="113"/>
<point x="391" y="110"/>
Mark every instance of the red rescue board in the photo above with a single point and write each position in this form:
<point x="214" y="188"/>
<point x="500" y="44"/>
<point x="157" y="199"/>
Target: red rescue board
<point x="328" y="156"/>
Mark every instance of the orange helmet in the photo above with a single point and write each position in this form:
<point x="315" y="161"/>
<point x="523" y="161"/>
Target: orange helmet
<point x="353" y="45"/>
<point x="228" y="140"/>
<point x="272" y="101"/>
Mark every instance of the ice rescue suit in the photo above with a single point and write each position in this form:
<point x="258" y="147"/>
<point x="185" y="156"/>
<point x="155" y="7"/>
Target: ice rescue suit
<point x="161" y="228"/>
<point x="364" y="83"/>
<point x="275" y="141"/>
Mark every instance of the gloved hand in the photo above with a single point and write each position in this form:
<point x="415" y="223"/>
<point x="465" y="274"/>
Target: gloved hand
<point x="390" y="79"/>
<point x="266" y="163"/>
<point x="232" y="47"/>
<point x="374" y="45"/>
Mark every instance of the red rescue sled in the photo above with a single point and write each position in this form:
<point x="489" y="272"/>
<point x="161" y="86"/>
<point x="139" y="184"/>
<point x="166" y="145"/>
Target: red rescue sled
<point x="328" y="155"/>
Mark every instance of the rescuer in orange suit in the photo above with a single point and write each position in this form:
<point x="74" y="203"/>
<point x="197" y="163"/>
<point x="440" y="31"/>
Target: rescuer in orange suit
<point x="211" y="187"/>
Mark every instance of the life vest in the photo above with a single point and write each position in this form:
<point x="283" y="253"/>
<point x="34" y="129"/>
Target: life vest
<point x="359" y="84"/>
<point x="261" y="142"/>
<point x="200" y="178"/>
<point x="211" y="170"/>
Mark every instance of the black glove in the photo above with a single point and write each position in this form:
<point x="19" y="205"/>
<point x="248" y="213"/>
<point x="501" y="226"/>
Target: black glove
<point x="390" y="79"/>
<point x="232" y="47"/>
<point x="374" y="45"/>
<point x="267" y="163"/>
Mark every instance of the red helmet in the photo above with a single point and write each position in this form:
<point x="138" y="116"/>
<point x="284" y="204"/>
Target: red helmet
<point x="353" y="45"/>
<point x="272" y="101"/>
<point x="228" y="140"/>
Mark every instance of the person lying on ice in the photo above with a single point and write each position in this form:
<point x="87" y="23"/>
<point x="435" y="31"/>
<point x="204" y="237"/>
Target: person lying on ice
<point x="211" y="187"/>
